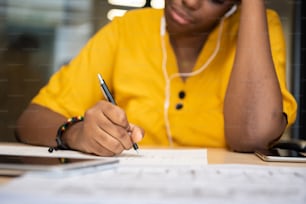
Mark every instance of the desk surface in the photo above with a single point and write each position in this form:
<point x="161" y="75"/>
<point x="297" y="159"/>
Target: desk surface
<point x="220" y="156"/>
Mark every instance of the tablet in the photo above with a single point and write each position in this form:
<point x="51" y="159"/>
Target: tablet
<point x="281" y="155"/>
<point x="17" y="164"/>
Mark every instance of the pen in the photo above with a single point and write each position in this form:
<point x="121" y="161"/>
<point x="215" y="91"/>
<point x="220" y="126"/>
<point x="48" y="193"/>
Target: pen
<point x="107" y="94"/>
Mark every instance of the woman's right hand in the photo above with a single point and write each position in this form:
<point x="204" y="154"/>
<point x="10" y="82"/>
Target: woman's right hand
<point x="105" y="131"/>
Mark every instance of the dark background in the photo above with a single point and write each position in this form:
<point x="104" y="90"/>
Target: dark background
<point x="299" y="69"/>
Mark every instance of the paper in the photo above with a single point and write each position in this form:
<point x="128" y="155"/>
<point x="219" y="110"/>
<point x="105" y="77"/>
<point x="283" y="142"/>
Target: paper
<point x="12" y="149"/>
<point x="164" y="157"/>
<point x="151" y="157"/>
<point x="158" y="176"/>
<point x="178" y="185"/>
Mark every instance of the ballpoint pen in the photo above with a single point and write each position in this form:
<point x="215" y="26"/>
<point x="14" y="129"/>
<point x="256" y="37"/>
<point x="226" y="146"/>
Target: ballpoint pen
<point x="107" y="94"/>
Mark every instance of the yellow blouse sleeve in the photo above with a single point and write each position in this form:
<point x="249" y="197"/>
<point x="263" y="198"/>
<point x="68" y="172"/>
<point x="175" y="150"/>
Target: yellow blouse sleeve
<point x="279" y="57"/>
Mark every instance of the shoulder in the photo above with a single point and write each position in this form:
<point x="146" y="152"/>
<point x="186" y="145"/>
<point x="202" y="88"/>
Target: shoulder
<point x="276" y="30"/>
<point x="273" y="18"/>
<point x="133" y="22"/>
<point x="272" y="14"/>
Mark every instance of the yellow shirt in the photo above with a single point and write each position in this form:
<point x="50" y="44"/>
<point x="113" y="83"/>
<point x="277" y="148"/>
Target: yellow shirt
<point x="128" y="54"/>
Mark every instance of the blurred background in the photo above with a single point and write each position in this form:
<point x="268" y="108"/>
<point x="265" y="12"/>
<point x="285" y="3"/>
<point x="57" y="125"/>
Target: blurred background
<point x="38" y="36"/>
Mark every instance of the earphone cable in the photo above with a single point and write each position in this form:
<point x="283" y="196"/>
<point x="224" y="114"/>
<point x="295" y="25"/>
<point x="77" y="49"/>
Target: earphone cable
<point x="175" y="75"/>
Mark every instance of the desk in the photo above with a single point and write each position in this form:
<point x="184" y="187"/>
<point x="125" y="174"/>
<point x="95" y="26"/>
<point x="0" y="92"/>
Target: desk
<point x="243" y="179"/>
<point x="220" y="156"/>
<point x="223" y="156"/>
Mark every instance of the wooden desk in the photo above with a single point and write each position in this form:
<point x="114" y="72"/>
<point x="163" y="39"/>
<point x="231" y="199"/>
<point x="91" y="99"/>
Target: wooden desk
<point x="221" y="156"/>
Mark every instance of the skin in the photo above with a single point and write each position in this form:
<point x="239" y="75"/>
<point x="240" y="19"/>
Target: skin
<point x="253" y="86"/>
<point x="253" y="103"/>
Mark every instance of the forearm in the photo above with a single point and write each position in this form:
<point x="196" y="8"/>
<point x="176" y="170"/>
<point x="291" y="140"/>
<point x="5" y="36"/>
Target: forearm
<point x="253" y="104"/>
<point x="38" y="126"/>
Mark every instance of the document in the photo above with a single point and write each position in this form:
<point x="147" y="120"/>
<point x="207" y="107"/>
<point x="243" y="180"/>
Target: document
<point x="150" y="157"/>
<point x="211" y="184"/>
<point x="160" y="176"/>
<point x="164" y="157"/>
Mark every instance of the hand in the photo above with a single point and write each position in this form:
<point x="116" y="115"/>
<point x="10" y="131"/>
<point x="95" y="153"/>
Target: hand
<point x="105" y="131"/>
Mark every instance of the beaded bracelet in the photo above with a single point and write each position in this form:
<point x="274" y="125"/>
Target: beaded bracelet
<point x="61" y="130"/>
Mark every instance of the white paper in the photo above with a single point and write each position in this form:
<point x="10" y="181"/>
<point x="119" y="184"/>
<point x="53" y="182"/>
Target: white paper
<point x="157" y="176"/>
<point x="218" y="184"/>
<point x="151" y="157"/>
<point x="164" y="157"/>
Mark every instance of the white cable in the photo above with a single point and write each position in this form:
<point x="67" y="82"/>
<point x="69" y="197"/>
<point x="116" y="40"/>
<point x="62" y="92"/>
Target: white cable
<point x="168" y="79"/>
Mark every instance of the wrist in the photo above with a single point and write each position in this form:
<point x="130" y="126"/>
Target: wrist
<point x="61" y="141"/>
<point x="70" y="138"/>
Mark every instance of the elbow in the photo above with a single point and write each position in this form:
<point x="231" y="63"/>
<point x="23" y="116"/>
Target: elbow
<point x="253" y="139"/>
<point x="18" y="130"/>
<point x="245" y="144"/>
<point x="252" y="134"/>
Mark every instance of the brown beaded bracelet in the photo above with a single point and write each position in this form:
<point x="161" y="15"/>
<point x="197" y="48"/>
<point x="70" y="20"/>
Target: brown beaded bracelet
<point x="61" y="130"/>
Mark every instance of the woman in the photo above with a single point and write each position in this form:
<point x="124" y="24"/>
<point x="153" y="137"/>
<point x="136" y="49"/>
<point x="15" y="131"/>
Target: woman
<point x="198" y="73"/>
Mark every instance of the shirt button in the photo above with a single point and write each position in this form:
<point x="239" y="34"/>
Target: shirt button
<point x="179" y="106"/>
<point x="182" y="94"/>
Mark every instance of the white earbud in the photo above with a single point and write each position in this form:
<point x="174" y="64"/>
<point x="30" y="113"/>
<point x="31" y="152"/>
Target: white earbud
<point x="231" y="11"/>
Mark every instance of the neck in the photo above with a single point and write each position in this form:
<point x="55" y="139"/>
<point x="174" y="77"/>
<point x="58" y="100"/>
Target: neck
<point x="187" y="50"/>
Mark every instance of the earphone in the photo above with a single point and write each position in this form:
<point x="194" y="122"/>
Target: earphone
<point x="231" y="11"/>
<point x="193" y="73"/>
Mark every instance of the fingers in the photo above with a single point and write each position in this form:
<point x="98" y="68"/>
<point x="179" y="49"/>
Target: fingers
<point x="113" y="121"/>
<point x="108" y="130"/>
<point x="96" y="141"/>
<point x="84" y="136"/>
<point x="95" y="147"/>
<point x="107" y="145"/>
<point x="118" y="117"/>
<point x="115" y="114"/>
<point x="137" y="133"/>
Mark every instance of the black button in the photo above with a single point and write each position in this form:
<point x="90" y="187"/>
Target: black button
<point x="179" y="106"/>
<point x="182" y="94"/>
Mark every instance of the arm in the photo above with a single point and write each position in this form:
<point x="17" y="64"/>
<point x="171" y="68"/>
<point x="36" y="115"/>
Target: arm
<point x="74" y="90"/>
<point x="104" y="131"/>
<point x="253" y="110"/>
